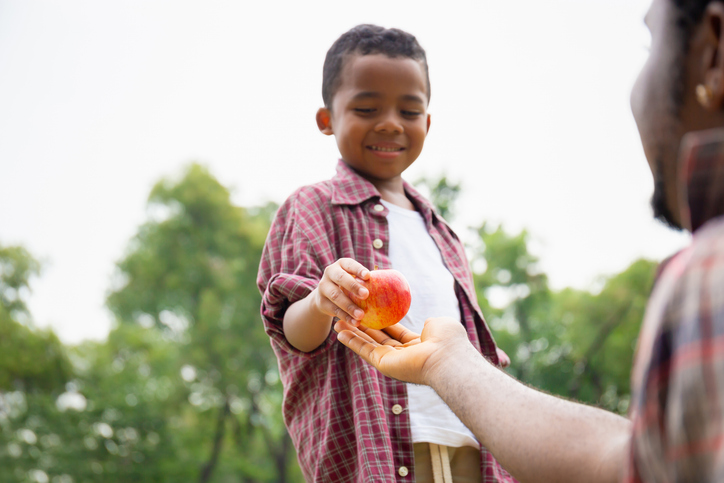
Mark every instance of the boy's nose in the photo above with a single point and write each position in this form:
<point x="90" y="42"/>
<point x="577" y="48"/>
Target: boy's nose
<point x="390" y="123"/>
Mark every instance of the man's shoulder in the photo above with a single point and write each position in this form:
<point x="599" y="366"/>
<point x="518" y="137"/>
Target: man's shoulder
<point x="691" y="281"/>
<point x="706" y="251"/>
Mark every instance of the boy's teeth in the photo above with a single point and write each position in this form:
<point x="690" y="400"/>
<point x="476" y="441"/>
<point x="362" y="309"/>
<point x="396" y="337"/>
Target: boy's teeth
<point x="387" y="150"/>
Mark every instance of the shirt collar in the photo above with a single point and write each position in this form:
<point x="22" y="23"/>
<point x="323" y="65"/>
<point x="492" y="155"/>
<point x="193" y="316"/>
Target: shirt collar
<point x="349" y="188"/>
<point x="701" y="177"/>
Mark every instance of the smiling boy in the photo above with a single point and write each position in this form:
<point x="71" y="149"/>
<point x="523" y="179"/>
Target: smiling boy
<point x="348" y="422"/>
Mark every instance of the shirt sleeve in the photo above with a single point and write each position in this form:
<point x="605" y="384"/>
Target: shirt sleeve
<point x="288" y="272"/>
<point x="679" y="426"/>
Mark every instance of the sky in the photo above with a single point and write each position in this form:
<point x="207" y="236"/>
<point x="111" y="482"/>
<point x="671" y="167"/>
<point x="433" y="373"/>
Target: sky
<point x="100" y="100"/>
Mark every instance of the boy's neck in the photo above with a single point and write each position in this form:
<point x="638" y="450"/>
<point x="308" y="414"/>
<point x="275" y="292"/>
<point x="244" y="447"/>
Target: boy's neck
<point x="392" y="191"/>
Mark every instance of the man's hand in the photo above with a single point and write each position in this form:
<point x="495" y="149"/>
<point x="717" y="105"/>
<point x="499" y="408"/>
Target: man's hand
<point x="402" y="354"/>
<point x="535" y="436"/>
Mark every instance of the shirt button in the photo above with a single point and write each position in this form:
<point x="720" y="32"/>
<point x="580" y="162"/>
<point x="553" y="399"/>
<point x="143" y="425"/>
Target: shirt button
<point x="396" y="409"/>
<point x="377" y="243"/>
<point x="379" y="208"/>
<point x="403" y="471"/>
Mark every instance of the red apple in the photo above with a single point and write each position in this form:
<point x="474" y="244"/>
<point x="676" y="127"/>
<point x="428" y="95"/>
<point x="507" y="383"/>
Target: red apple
<point x="389" y="298"/>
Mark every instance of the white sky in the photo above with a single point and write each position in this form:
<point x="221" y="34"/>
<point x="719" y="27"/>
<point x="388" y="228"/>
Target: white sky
<point x="98" y="100"/>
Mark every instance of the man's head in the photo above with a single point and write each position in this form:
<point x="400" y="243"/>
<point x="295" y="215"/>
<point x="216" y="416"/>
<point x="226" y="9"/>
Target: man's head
<point x="376" y="91"/>
<point x="365" y="40"/>
<point x="687" y="53"/>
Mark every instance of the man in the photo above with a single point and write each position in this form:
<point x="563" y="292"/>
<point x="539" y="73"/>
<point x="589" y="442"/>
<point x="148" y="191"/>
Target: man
<point x="676" y="427"/>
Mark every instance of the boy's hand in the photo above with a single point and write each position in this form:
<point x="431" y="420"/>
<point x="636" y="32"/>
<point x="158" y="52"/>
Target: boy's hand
<point x="502" y="357"/>
<point x="329" y="296"/>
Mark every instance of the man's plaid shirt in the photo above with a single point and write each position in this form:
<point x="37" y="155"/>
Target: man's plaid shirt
<point x="338" y="409"/>
<point x="678" y="379"/>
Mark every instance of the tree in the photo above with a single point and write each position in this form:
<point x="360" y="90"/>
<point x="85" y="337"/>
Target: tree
<point x="191" y="272"/>
<point x="442" y="193"/>
<point x="186" y="386"/>
<point x="34" y="368"/>
<point x="573" y="343"/>
<point x="30" y="359"/>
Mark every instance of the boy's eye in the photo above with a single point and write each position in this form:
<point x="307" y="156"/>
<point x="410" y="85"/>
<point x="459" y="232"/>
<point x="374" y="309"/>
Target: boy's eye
<point x="411" y="113"/>
<point x="364" y="110"/>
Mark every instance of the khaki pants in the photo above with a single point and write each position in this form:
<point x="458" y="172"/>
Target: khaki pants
<point x="443" y="464"/>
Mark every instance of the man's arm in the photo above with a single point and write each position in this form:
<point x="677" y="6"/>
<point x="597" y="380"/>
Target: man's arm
<point x="536" y="437"/>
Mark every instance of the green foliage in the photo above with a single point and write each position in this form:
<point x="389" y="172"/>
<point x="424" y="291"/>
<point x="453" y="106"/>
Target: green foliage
<point x="17" y="266"/>
<point x="572" y="343"/>
<point x="186" y="387"/>
<point x="30" y="359"/>
<point x="112" y="424"/>
<point x="442" y="193"/>
<point x="191" y="273"/>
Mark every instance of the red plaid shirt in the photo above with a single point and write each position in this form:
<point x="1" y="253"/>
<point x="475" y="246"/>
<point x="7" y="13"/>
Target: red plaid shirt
<point x="338" y="409"/>
<point x="678" y="379"/>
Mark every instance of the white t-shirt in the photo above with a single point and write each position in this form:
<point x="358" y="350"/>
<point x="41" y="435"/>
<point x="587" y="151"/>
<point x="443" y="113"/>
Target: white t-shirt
<point x="413" y="252"/>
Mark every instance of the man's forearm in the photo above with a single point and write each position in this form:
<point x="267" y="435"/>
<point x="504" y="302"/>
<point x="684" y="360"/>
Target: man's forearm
<point x="535" y="436"/>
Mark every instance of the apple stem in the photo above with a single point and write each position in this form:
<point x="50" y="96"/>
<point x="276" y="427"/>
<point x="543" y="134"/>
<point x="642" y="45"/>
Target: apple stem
<point x="375" y="267"/>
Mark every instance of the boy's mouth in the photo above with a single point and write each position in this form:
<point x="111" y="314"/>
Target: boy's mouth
<point x="386" y="149"/>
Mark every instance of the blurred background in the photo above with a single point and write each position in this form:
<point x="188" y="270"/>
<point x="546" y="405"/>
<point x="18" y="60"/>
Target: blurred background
<point x="145" y="145"/>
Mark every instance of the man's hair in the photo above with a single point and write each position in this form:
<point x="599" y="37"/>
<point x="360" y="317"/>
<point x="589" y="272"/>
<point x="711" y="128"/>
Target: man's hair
<point x="689" y="13"/>
<point x="365" y="40"/>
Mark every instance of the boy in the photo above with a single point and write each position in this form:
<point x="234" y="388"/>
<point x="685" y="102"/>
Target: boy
<point x="347" y="421"/>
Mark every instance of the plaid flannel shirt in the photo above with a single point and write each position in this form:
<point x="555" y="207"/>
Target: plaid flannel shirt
<point x="338" y="409"/>
<point x="678" y="378"/>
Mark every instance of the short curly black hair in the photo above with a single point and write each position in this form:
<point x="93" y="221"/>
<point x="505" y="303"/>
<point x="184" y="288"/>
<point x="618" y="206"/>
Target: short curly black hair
<point x="688" y="15"/>
<point x="368" y="39"/>
<point x="690" y="11"/>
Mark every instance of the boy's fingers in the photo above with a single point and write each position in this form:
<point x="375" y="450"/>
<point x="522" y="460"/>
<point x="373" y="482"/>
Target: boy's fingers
<point x="354" y="267"/>
<point x="336" y="303"/>
<point x="343" y="278"/>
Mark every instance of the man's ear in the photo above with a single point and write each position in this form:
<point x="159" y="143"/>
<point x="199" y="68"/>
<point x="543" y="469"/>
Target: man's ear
<point x="324" y="121"/>
<point x="428" y="124"/>
<point x="713" y="54"/>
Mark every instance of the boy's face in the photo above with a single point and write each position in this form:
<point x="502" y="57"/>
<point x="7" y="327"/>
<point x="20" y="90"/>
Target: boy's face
<point x="379" y="115"/>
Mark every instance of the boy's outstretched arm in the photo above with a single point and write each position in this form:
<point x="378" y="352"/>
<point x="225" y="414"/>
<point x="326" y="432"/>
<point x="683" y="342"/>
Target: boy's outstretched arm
<point x="536" y="437"/>
<point x="307" y="322"/>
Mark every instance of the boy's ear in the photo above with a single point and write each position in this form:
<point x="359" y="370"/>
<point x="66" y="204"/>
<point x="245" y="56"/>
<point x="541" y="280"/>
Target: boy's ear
<point x="324" y="121"/>
<point x="428" y="124"/>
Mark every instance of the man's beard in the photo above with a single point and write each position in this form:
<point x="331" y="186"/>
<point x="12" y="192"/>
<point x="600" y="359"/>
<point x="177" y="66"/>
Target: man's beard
<point x="658" y="203"/>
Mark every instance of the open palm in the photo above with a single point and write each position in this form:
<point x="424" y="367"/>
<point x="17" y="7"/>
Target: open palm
<point x="400" y="353"/>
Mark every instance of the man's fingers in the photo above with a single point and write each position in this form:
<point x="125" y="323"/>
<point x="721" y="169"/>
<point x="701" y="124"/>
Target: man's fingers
<point x="342" y="325"/>
<point x="369" y="351"/>
<point x="401" y="333"/>
<point x="380" y="337"/>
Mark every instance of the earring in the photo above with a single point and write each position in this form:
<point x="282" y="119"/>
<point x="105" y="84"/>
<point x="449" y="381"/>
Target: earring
<point x="704" y="95"/>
